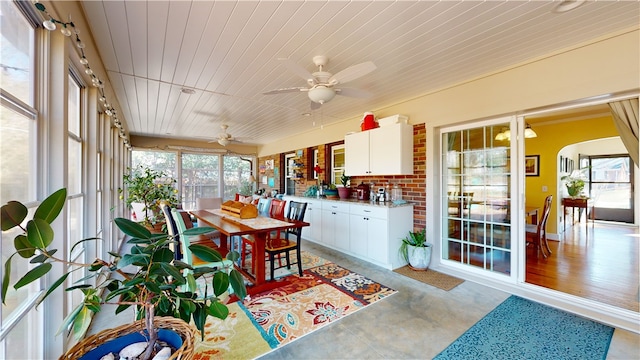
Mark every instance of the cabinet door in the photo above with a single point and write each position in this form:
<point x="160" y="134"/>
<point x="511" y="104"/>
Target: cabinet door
<point x="358" y="237"/>
<point x="391" y="150"/>
<point x="315" y="219"/>
<point x="378" y="246"/>
<point x="328" y="227"/>
<point x="356" y="154"/>
<point x="341" y="231"/>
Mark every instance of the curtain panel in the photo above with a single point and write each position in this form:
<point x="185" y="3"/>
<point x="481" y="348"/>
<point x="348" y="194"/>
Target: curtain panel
<point x="625" y="117"/>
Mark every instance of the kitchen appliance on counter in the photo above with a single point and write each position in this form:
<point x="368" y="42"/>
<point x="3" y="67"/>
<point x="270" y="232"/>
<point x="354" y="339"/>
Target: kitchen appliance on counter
<point x="363" y="191"/>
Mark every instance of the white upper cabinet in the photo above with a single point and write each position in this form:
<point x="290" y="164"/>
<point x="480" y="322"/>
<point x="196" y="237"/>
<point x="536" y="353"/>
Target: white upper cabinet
<point x="386" y="150"/>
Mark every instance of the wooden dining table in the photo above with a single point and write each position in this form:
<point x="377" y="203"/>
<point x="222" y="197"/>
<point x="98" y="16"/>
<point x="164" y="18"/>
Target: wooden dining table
<point x="230" y="226"/>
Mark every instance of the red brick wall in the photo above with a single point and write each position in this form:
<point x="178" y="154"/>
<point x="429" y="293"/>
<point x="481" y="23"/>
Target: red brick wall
<point x="413" y="186"/>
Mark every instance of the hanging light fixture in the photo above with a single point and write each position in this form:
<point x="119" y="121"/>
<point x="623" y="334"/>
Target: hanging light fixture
<point x="529" y="133"/>
<point x="500" y="136"/>
<point x="505" y="134"/>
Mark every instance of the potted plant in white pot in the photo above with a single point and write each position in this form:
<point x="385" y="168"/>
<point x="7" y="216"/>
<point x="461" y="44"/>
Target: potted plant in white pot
<point x="415" y="250"/>
<point x="145" y="190"/>
<point x="161" y="288"/>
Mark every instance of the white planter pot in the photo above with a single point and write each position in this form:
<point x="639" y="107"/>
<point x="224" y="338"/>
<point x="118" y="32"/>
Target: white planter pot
<point x="419" y="257"/>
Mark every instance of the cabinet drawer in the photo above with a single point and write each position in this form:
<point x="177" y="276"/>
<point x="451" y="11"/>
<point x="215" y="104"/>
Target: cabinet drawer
<point x="313" y="203"/>
<point x="336" y="206"/>
<point x="373" y="211"/>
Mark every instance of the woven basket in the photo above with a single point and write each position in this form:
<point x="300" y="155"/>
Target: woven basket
<point x="186" y="332"/>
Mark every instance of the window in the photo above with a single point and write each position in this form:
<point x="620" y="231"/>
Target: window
<point x="200" y="178"/>
<point x="20" y="326"/>
<point x="75" y="195"/>
<point x="236" y="176"/>
<point x="337" y="163"/>
<point x="161" y="161"/>
<point x="17" y="119"/>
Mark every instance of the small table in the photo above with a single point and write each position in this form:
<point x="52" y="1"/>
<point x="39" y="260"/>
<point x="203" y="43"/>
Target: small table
<point x="580" y="203"/>
<point x="258" y="227"/>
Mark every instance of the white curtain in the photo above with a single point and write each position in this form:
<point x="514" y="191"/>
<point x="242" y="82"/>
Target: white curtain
<point x="625" y="116"/>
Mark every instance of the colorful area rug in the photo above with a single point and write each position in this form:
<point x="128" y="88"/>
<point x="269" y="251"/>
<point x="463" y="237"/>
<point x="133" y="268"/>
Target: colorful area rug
<point x="522" y="329"/>
<point x="323" y="295"/>
<point x="431" y="277"/>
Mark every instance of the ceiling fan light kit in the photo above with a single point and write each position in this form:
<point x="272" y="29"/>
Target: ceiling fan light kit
<point x="321" y="83"/>
<point x="321" y="94"/>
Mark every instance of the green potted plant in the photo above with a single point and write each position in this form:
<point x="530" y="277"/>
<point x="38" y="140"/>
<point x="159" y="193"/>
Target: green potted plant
<point x="331" y="192"/>
<point x="146" y="189"/>
<point x="415" y="250"/>
<point x="345" y="191"/>
<point x="160" y="288"/>
<point x="574" y="182"/>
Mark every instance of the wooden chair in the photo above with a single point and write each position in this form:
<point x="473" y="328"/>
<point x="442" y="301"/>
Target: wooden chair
<point x="275" y="210"/>
<point x="278" y="245"/>
<point x="263" y="210"/>
<point x="537" y="234"/>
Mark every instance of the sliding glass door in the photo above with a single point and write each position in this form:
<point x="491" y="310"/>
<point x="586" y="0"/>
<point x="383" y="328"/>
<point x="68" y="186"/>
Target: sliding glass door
<point x="476" y="196"/>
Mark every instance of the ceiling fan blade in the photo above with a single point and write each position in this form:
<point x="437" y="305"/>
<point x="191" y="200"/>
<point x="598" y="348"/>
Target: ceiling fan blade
<point x="356" y="93"/>
<point x="297" y="69"/>
<point x="315" y="106"/>
<point x="285" y="90"/>
<point x="352" y="73"/>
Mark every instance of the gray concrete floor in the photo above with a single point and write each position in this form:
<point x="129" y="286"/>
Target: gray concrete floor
<point x="416" y="323"/>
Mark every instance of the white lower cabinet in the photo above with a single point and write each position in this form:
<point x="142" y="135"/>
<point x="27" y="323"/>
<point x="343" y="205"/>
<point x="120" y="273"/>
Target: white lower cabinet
<point x="368" y="237"/>
<point x="335" y="224"/>
<point x="367" y="231"/>
<point x="376" y="233"/>
<point x="312" y="215"/>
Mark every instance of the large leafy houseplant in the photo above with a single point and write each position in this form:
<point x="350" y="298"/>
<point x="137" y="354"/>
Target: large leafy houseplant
<point x="161" y="286"/>
<point x="150" y="188"/>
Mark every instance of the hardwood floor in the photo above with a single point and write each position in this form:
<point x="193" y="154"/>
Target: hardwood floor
<point x="600" y="263"/>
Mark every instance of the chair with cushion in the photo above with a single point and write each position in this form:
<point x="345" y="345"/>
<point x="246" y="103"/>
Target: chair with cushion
<point x="172" y="229"/>
<point x="276" y="210"/>
<point x="537" y="234"/>
<point x="263" y="210"/>
<point x="186" y="242"/>
<point x="285" y="243"/>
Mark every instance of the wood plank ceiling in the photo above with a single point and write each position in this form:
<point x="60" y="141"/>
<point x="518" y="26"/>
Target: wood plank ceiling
<point x="228" y="53"/>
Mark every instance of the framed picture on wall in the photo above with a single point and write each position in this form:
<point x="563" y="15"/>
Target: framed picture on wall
<point x="532" y="165"/>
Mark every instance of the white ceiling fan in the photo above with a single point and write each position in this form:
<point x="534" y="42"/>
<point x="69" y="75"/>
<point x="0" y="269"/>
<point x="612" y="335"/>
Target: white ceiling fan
<point x="224" y="138"/>
<point x="322" y="85"/>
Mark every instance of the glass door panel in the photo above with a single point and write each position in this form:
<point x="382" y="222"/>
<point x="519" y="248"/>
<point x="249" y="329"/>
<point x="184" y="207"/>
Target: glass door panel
<point x="477" y="201"/>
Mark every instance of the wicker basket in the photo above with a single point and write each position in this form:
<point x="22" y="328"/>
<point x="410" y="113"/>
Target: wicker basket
<point x="186" y="332"/>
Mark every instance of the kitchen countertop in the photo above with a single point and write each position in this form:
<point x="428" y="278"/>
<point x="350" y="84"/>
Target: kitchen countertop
<point x="387" y="204"/>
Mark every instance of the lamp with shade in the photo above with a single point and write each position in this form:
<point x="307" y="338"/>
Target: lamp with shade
<point x="505" y="135"/>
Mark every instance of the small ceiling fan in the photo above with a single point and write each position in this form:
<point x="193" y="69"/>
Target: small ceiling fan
<point x="224" y="138"/>
<point x="322" y="85"/>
